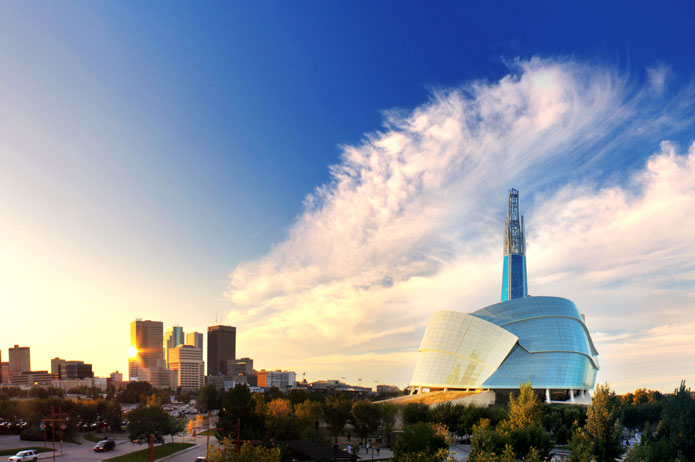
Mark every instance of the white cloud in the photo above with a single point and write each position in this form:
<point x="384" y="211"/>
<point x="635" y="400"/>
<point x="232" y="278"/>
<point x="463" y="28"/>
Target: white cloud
<point x="411" y="221"/>
<point x="657" y="76"/>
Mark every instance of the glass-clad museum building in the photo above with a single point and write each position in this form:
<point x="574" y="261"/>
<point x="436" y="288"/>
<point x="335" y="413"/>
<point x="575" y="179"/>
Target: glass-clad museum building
<point x="541" y="340"/>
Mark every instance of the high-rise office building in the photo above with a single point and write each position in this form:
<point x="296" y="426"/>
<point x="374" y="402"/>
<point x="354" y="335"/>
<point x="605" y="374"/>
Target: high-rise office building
<point x="69" y="370"/>
<point x="514" y="283"/>
<point x="19" y="359"/>
<point x="188" y="361"/>
<point x="195" y="339"/>
<point x="55" y="365"/>
<point x="221" y="348"/>
<point x="173" y="337"/>
<point x="146" y="347"/>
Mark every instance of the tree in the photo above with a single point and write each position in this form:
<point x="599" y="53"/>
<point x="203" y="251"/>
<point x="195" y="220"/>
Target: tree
<point x="365" y="418"/>
<point x="146" y="420"/>
<point x="113" y="415"/>
<point x="388" y="412"/>
<point x="524" y="410"/>
<point x="238" y="404"/>
<point x="135" y="392"/>
<point x="208" y="398"/>
<point x="603" y="428"/>
<point x="678" y="422"/>
<point x="415" y="412"/>
<point x="336" y="412"/>
<point x="420" y="437"/>
<point x="226" y="452"/>
<point x="307" y="413"/>
<point x="441" y="455"/>
<point x="580" y="448"/>
<point x="280" y="419"/>
<point x="486" y="442"/>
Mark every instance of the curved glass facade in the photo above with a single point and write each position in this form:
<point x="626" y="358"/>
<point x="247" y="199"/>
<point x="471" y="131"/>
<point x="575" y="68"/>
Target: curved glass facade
<point x="460" y="351"/>
<point x="542" y="340"/>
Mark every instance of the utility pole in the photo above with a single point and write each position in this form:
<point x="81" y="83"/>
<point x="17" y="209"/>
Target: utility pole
<point x="55" y="418"/>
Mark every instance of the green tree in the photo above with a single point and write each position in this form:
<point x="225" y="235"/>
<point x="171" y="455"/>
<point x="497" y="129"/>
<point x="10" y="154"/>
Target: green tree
<point x="486" y="442"/>
<point x="226" y="452"/>
<point x="365" y="417"/>
<point x="208" y="398"/>
<point x="603" y="428"/>
<point x="113" y="415"/>
<point x="678" y="422"/>
<point x="307" y="413"/>
<point x="336" y="412"/>
<point x="135" y="392"/>
<point x="238" y="405"/>
<point x="389" y="413"/>
<point x="524" y="409"/>
<point x="441" y="455"/>
<point x="146" y="420"/>
<point x="416" y="412"/>
<point x="420" y="437"/>
<point x="580" y="448"/>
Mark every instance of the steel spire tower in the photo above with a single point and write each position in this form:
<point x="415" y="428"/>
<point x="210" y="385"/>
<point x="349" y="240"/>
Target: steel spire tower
<point x="514" y="283"/>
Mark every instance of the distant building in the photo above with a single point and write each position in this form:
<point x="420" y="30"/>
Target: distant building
<point x="24" y="378"/>
<point x="221" y="348"/>
<point x="195" y="339"/>
<point x="70" y="384"/>
<point x="188" y="361"/>
<point x="242" y="366"/>
<point x="55" y="365"/>
<point x="173" y="337"/>
<point x="159" y="377"/>
<point x="19" y="359"/>
<point x="4" y="372"/>
<point x="116" y="377"/>
<point x="75" y="370"/>
<point x="337" y="385"/>
<point x="387" y="389"/>
<point x="280" y="379"/>
<point x="146" y="347"/>
<point x="70" y="370"/>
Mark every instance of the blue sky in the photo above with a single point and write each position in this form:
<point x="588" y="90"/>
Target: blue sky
<point x="148" y="151"/>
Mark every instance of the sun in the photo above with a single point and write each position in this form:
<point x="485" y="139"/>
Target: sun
<point x="132" y="352"/>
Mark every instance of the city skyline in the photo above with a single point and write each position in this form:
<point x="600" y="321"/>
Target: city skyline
<point x="326" y="177"/>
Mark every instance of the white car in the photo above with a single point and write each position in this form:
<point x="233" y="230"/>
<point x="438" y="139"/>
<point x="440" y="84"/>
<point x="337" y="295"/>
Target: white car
<point x="25" y="456"/>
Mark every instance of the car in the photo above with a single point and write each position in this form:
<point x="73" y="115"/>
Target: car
<point x="104" y="445"/>
<point x="201" y="459"/>
<point x="25" y="456"/>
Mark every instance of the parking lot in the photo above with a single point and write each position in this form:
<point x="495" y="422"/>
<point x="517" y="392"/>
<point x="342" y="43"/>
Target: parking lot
<point x="84" y="452"/>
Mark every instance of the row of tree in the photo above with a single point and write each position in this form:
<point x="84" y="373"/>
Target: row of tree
<point x="282" y="418"/>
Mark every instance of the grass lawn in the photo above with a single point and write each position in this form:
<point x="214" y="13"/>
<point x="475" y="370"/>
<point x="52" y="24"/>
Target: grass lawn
<point x="205" y="432"/>
<point x="92" y="438"/>
<point x="159" y="452"/>
<point x="11" y="452"/>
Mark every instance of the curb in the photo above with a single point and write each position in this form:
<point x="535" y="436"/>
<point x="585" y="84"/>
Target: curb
<point x="177" y="453"/>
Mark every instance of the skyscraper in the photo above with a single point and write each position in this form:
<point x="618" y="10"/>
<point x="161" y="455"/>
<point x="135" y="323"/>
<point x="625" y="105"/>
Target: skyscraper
<point x="195" y="339"/>
<point x="514" y="283"/>
<point x="221" y="348"/>
<point x="146" y="346"/>
<point x="173" y="337"/>
<point x="20" y="359"/>
<point x="188" y="361"/>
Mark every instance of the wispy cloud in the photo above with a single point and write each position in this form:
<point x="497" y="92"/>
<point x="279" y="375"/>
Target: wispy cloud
<point x="411" y="220"/>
